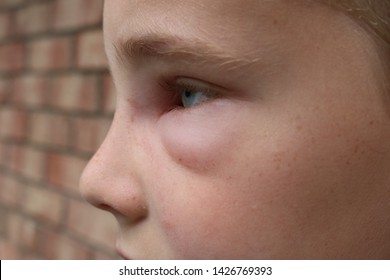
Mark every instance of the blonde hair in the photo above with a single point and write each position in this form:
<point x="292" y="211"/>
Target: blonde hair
<point x="373" y="15"/>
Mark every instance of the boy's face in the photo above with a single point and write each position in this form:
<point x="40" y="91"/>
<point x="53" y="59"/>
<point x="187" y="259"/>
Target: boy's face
<point x="281" y="149"/>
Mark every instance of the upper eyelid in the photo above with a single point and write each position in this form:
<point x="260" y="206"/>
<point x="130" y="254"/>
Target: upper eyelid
<point x="194" y="84"/>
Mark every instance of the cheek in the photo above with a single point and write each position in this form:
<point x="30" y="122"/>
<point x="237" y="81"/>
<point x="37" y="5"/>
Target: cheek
<point x="268" y="192"/>
<point x="238" y="206"/>
<point x="198" y="138"/>
<point x="233" y="202"/>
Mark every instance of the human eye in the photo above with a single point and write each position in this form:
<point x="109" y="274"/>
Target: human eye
<point x="189" y="92"/>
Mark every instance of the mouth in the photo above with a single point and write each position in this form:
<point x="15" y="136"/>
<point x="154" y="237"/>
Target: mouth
<point x="121" y="253"/>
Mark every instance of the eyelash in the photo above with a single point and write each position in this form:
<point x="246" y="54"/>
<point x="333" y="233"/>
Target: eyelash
<point x="176" y="86"/>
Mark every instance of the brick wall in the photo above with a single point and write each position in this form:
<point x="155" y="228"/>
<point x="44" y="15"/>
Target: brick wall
<point x="56" y="104"/>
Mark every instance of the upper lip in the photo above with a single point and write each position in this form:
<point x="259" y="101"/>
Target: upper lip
<point x="121" y="253"/>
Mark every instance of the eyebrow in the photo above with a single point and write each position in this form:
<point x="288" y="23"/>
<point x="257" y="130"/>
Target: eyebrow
<point x="171" y="48"/>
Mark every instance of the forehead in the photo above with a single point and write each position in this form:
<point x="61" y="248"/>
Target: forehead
<point x="267" y="29"/>
<point x="233" y="9"/>
<point x="244" y="24"/>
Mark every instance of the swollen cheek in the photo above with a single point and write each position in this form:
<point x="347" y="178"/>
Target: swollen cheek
<point x="198" y="140"/>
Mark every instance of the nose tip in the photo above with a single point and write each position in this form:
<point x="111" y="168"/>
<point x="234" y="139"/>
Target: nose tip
<point x="103" y="186"/>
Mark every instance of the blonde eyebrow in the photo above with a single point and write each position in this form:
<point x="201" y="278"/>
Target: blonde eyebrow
<point x="177" y="49"/>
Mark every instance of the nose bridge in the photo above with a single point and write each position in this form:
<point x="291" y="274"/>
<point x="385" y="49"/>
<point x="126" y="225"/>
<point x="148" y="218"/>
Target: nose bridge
<point x="110" y="181"/>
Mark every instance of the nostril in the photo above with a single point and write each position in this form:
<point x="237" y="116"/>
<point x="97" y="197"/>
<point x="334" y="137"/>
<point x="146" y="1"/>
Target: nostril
<point x="105" y="207"/>
<point x="135" y="216"/>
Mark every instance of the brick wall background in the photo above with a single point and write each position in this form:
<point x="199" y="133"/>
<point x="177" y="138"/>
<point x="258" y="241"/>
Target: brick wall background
<point x="56" y="104"/>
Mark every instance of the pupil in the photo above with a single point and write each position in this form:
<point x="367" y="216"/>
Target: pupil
<point x="187" y="93"/>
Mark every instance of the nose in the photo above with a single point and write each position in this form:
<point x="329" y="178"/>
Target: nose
<point x="110" y="181"/>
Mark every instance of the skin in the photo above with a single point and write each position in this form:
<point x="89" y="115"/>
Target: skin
<point x="290" y="160"/>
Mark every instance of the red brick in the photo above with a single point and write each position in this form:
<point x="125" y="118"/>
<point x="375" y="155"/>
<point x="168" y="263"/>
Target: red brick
<point x="13" y="123"/>
<point x="30" y="255"/>
<point x="49" y="240"/>
<point x="97" y="255"/>
<point x="34" y="18"/>
<point x="71" y="14"/>
<point x="32" y="166"/>
<point x="49" y="54"/>
<point x="89" y="133"/>
<point x="74" y="93"/>
<point x="27" y="235"/>
<point x="15" y="222"/>
<point x="11" y="57"/>
<point x="10" y="3"/>
<point x="50" y="129"/>
<point x="4" y="157"/>
<point x="65" y="171"/>
<point x="109" y="96"/>
<point x="15" y="157"/>
<point x="8" y="251"/>
<point x="4" y="90"/>
<point x="61" y="247"/>
<point x="46" y="237"/>
<point x="90" y="50"/>
<point x="68" y="249"/>
<point x="5" y="21"/>
<point x="3" y="219"/>
<point x="29" y="90"/>
<point x="11" y="192"/>
<point x="96" y="225"/>
<point x="43" y="204"/>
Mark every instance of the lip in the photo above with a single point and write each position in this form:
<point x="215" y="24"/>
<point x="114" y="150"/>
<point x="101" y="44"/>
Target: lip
<point x="121" y="253"/>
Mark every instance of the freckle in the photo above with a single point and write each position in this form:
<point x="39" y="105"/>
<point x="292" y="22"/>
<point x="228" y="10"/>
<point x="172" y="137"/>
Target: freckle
<point x="299" y="127"/>
<point x="371" y="122"/>
<point x="275" y="22"/>
<point x="347" y="162"/>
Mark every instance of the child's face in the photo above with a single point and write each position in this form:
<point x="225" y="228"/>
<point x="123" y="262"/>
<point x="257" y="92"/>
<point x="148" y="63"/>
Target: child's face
<point x="281" y="150"/>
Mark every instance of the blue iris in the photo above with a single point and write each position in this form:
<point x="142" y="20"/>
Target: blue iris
<point x="190" y="97"/>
